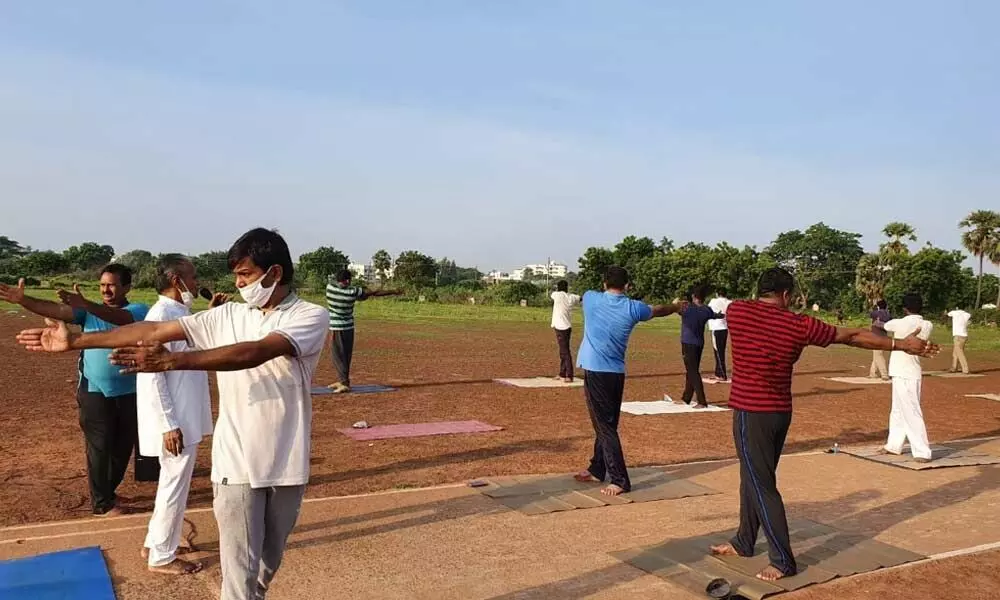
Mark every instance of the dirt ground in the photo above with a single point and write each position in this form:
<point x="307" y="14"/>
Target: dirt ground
<point x="444" y="371"/>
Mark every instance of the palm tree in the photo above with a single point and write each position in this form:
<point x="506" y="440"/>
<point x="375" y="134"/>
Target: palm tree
<point x="993" y="255"/>
<point x="982" y="227"/>
<point x="897" y="232"/>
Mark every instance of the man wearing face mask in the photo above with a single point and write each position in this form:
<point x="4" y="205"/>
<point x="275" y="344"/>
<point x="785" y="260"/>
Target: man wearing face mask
<point x="264" y="352"/>
<point x="174" y="414"/>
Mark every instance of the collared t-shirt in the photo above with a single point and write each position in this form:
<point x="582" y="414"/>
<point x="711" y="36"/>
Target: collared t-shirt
<point x="959" y="323"/>
<point x="719" y="305"/>
<point x="879" y="318"/>
<point x="265" y="412"/>
<point x="171" y="400"/>
<point x="341" y="302"/>
<point x="767" y="340"/>
<point x="901" y="364"/>
<point x="608" y="320"/>
<point x="562" y="305"/>
<point x="101" y="375"/>
<point x="693" y="324"/>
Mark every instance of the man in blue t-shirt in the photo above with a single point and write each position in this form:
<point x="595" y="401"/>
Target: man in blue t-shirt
<point x="608" y="320"/>
<point x="105" y="397"/>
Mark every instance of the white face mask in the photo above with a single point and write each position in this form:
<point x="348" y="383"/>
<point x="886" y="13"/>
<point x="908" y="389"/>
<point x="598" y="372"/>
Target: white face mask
<point x="255" y="294"/>
<point x="187" y="298"/>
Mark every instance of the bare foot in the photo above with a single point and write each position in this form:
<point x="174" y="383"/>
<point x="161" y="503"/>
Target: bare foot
<point x="586" y="477"/>
<point x="726" y="549"/>
<point x="612" y="490"/>
<point x="178" y="567"/>
<point x="770" y="573"/>
<point x="144" y="552"/>
<point x="567" y="380"/>
<point x="697" y="406"/>
<point x="115" y="511"/>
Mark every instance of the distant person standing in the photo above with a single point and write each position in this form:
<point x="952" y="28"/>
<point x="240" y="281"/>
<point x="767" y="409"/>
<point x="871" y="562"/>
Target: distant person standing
<point x="340" y="298"/>
<point x="562" y="307"/>
<point x="720" y="334"/>
<point x="608" y="320"/>
<point x="880" y="316"/>
<point x="105" y="397"/>
<point x="960" y="332"/>
<point x="693" y="321"/>
<point x="906" y="421"/>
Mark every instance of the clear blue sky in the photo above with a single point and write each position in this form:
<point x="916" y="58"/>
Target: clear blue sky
<point x="496" y="133"/>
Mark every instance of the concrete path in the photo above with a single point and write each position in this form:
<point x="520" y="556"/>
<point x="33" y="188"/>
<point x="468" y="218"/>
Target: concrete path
<point x="452" y="542"/>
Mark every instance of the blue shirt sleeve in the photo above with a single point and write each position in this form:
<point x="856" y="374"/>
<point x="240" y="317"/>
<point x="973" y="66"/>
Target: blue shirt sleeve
<point x="641" y="311"/>
<point x="138" y="311"/>
<point x="79" y="316"/>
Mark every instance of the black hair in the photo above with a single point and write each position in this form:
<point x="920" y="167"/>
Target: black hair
<point x="168" y="267"/>
<point x="265" y="248"/>
<point x="562" y="285"/>
<point x="881" y="304"/>
<point x="775" y="281"/>
<point x="123" y="273"/>
<point x="616" y="278"/>
<point x="699" y="292"/>
<point x="914" y="303"/>
<point x="720" y="291"/>
<point x="344" y="275"/>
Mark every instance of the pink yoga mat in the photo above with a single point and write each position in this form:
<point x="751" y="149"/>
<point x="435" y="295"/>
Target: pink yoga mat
<point x="384" y="432"/>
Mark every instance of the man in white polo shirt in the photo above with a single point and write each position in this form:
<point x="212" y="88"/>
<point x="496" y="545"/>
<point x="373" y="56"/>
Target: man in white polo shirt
<point x="264" y="352"/>
<point x="562" y="307"/>
<point x="960" y="332"/>
<point x="720" y="334"/>
<point x="906" y="421"/>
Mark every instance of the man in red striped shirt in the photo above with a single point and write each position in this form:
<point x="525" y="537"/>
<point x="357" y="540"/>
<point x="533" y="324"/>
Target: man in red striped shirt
<point x="767" y="339"/>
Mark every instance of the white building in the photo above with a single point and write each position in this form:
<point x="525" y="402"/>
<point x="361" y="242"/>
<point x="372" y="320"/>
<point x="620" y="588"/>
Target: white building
<point x="550" y="269"/>
<point x="368" y="273"/>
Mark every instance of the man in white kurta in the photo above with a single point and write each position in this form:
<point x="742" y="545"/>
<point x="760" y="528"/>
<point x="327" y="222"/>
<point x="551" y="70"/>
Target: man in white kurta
<point x="174" y="414"/>
<point x="906" y="420"/>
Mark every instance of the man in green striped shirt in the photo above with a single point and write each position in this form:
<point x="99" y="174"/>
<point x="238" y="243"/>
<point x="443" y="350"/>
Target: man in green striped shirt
<point x="340" y="297"/>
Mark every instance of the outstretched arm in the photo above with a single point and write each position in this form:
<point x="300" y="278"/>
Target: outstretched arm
<point x="56" y="337"/>
<point x="48" y="309"/>
<point x="155" y="358"/>
<point x="863" y="338"/>
<point x="380" y="294"/>
<point x="663" y="310"/>
<point x="109" y="314"/>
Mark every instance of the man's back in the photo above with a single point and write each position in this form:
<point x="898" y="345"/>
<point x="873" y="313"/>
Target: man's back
<point x="719" y="305"/>
<point x="767" y="340"/>
<point x="608" y="320"/>
<point x="960" y="323"/>
<point x="562" y="305"/>
<point x="340" y="300"/>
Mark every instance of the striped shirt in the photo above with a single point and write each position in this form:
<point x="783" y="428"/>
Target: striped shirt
<point x="341" y="303"/>
<point x="767" y="340"/>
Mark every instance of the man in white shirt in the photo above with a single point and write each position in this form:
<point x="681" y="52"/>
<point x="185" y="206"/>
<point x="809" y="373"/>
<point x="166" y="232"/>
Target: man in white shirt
<point x="264" y="352"/>
<point x="174" y="414"/>
<point x="562" y="307"/>
<point x="960" y="331"/>
<point x="906" y="421"/>
<point x="720" y="333"/>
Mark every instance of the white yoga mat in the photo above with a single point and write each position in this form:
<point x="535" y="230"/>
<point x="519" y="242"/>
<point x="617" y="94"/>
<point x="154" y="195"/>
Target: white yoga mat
<point x="662" y="407"/>
<point x="540" y="382"/>
<point x="859" y="380"/>
<point x="995" y="397"/>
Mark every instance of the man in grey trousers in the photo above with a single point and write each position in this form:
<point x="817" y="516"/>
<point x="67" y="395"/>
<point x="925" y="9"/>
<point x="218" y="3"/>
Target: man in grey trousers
<point x="264" y="351"/>
<point x="340" y="297"/>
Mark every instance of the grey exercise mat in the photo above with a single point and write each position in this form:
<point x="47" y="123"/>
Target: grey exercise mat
<point x="823" y="553"/>
<point x="950" y="454"/>
<point x="536" y="495"/>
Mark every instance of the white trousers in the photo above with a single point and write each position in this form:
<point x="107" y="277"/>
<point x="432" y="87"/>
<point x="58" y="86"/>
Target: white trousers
<point x="167" y="523"/>
<point x="906" y="421"/>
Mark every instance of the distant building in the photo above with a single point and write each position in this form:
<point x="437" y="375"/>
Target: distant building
<point x="539" y="271"/>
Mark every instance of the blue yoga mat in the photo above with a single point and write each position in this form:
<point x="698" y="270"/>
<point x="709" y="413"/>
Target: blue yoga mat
<point x="71" y="575"/>
<point x="355" y="389"/>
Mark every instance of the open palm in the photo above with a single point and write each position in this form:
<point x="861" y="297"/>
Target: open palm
<point x="54" y="337"/>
